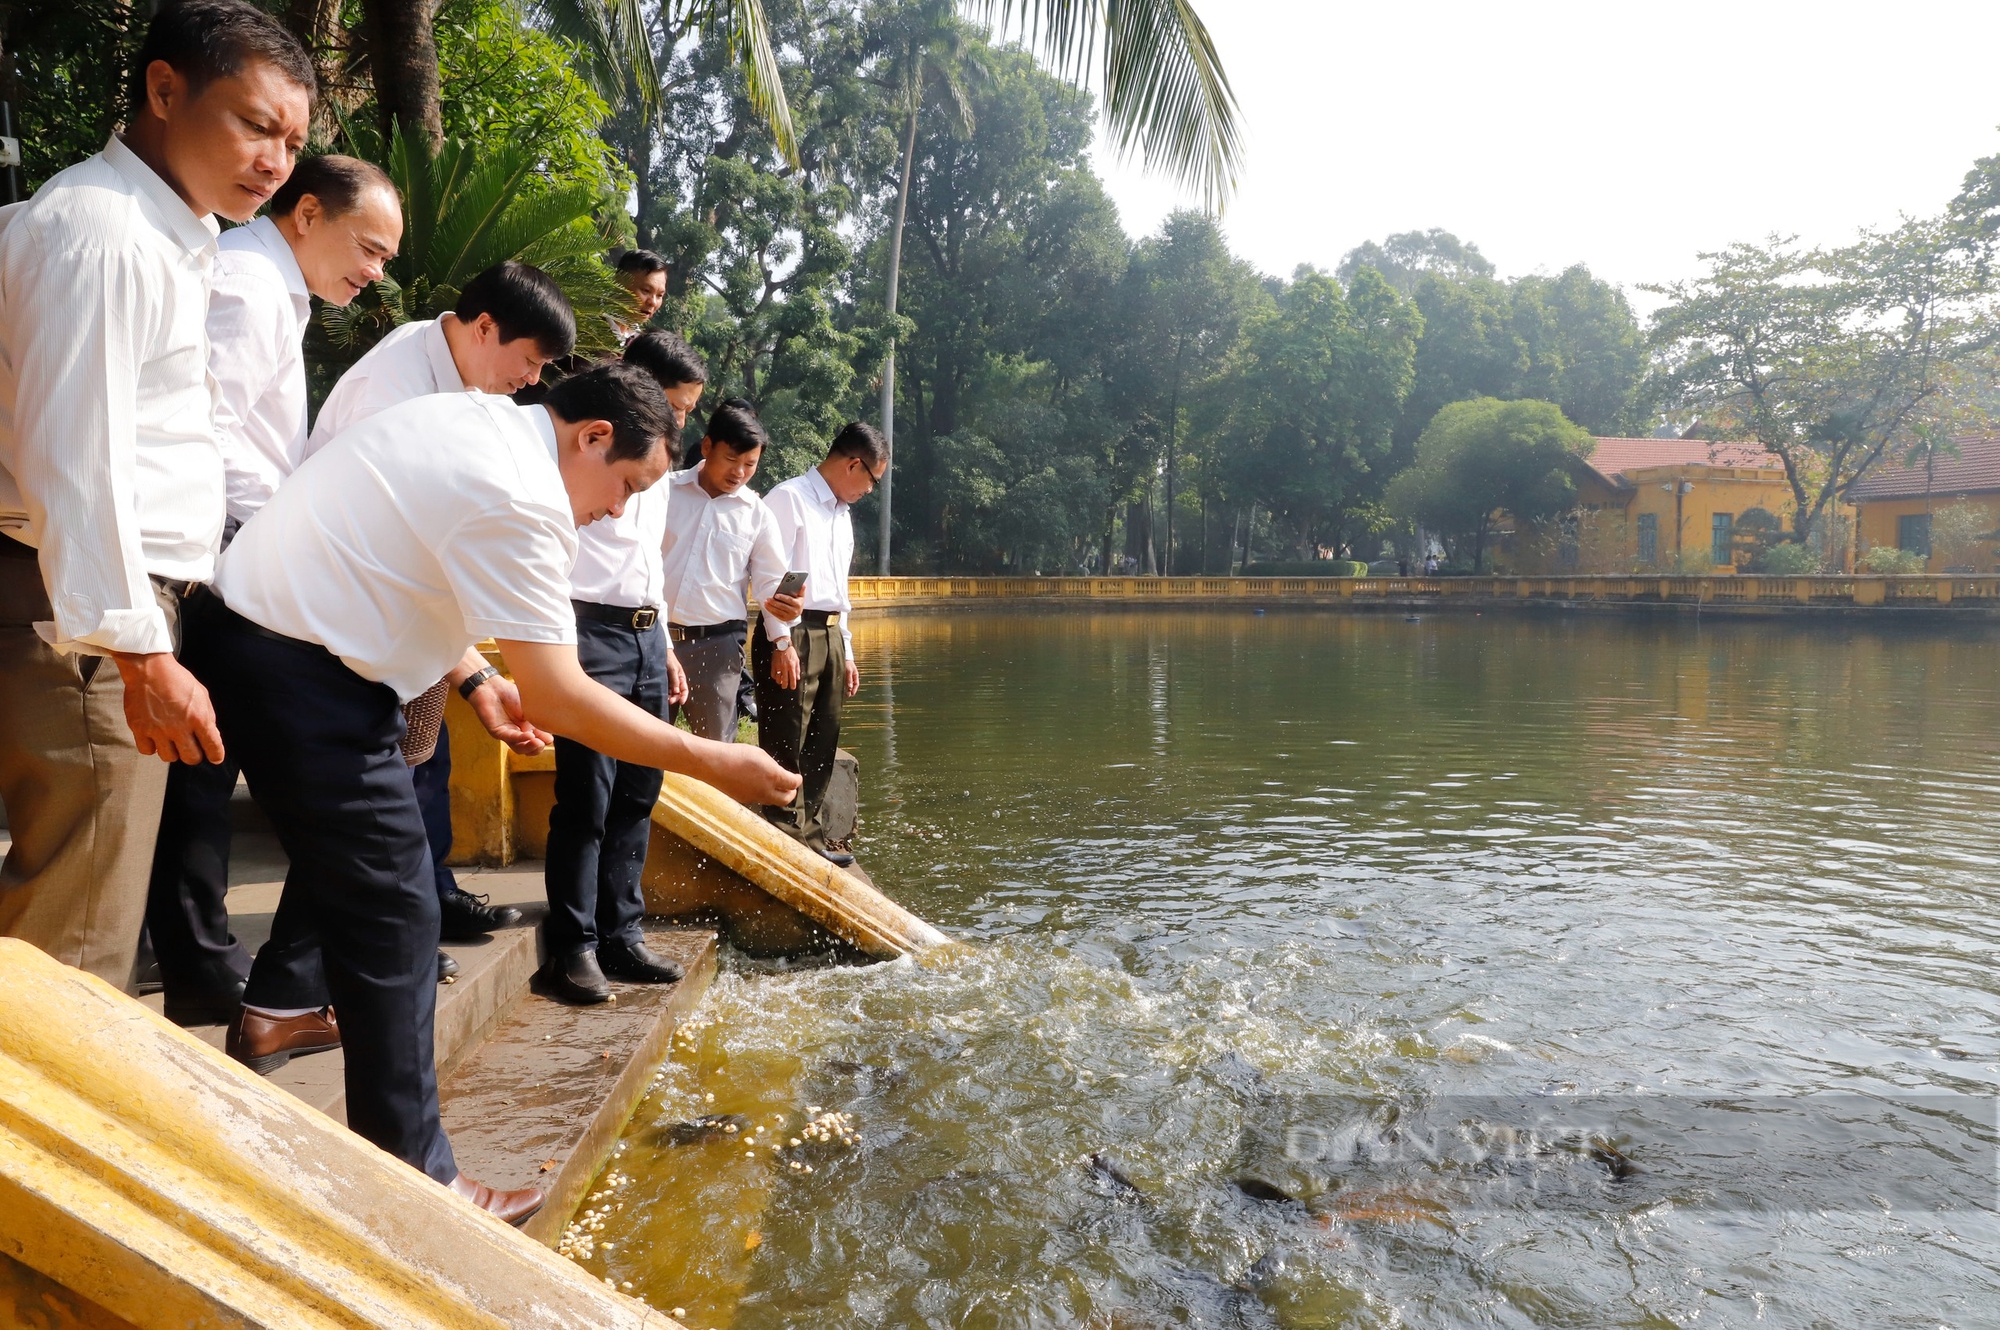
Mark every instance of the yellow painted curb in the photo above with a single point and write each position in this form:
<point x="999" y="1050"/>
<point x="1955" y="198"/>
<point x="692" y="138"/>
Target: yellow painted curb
<point x="145" y="1171"/>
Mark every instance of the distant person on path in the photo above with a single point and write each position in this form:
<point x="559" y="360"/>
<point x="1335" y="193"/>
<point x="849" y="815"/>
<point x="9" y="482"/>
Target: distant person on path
<point x="328" y="232"/>
<point x="805" y="670"/>
<point x="398" y="545"/>
<point x="111" y="481"/>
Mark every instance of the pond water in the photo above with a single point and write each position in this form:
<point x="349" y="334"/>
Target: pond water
<point x="1338" y="970"/>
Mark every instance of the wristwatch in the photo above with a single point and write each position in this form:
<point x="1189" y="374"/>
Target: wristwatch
<point x="473" y="681"/>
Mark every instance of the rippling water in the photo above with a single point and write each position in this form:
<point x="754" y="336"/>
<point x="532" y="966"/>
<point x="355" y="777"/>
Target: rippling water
<point x="1338" y="970"/>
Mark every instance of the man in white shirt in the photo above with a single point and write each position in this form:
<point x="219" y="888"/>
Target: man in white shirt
<point x="327" y="232"/>
<point x="804" y="670"/>
<point x="416" y="533"/>
<point x="111" y="484"/>
<point x="510" y="321"/>
<point x="688" y="546"/>
<point x="643" y="274"/>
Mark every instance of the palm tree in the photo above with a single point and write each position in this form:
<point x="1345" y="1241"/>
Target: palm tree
<point x="463" y="213"/>
<point x="1163" y="86"/>
<point x="928" y="51"/>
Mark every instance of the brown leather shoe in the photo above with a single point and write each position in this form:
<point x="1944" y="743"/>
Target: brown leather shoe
<point x="265" y="1043"/>
<point x="509" y="1207"/>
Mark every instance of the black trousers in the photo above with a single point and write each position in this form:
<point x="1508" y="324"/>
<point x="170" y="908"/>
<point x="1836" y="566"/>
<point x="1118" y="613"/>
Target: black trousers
<point x="603" y="811"/>
<point x="800" y="727"/>
<point x="318" y="746"/>
<point x="432" y="778"/>
<point x="185" y="911"/>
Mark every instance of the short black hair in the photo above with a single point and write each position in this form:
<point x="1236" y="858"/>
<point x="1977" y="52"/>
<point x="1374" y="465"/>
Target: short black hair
<point x="623" y="394"/>
<point x="667" y="357"/>
<point x="525" y="302"/>
<point x="735" y="426"/>
<point x="639" y="261"/>
<point x="206" y="40"/>
<point x="864" y="441"/>
<point x="337" y="181"/>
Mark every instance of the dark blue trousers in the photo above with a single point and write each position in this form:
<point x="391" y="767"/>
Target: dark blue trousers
<point x="317" y="743"/>
<point x="432" y="777"/>
<point x="604" y="808"/>
<point x="185" y="911"/>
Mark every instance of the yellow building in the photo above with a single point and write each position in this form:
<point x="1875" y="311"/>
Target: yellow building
<point x="1689" y="505"/>
<point x="1946" y="509"/>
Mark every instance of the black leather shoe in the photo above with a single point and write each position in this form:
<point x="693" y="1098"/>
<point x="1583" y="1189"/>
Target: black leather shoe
<point x="464" y="916"/>
<point x="447" y="967"/>
<point x="838" y="858"/>
<point x="575" y="979"/>
<point x="636" y="964"/>
<point x="205" y="1006"/>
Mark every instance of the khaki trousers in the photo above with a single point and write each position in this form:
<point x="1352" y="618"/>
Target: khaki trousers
<point x="83" y="804"/>
<point x="800" y="727"/>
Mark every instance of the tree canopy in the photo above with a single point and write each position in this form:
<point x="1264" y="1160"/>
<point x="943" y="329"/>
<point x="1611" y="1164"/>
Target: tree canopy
<point x="1485" y="456"/>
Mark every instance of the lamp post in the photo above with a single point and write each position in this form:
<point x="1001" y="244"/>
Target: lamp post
<point x="1680" y="488"/>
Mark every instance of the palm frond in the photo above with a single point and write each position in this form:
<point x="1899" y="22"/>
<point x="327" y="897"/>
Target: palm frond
<point x="1164" y="88"/>
<point x="613" y="41"/>
<point x="749" y="33"/>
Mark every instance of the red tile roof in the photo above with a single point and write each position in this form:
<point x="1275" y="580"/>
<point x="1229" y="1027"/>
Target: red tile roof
<point x="1976" y="470"/>
<point x="1613" y="457"/>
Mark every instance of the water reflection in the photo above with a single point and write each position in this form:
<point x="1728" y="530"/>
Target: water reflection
<point x="1231" y="873"/>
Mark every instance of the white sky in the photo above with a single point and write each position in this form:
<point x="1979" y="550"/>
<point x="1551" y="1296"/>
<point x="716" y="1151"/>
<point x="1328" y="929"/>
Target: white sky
<point x="1626" y="137"/>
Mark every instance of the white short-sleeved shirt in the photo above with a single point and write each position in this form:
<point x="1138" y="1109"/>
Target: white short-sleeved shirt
<point x="108" y="458"/>
<point x="618" y="558"/>
<point x="412" y="361"/>
<point x="678" y="549"/>
<point x="411" y="536"/>
<point x="257" y="314"/>
<point x="816" y="533"/>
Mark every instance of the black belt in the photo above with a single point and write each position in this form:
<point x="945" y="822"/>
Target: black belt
<point x="682" y="632"/>
<point x="820" y="618"/>
<point x="209" y="604"/>
<point x="618" y="616"/>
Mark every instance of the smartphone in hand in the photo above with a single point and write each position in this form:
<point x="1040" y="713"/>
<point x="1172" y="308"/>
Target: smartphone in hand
<point x="792" y="584"/>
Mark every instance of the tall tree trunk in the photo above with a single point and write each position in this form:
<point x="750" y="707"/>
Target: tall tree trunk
<point x="1173" y="431"/>
<point x="403" y="58"/>
<point x="1152" y="557"/>
<point x="889" y="357"/>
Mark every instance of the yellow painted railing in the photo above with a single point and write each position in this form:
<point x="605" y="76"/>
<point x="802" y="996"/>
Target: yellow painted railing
<point x="1859" y="589"/>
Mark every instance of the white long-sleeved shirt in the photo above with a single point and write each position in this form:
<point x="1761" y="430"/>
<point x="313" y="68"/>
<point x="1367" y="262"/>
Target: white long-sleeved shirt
<point x="108" y="458"/>
<point x="414" y="534"/>
<point x="677" y="548"/>
<point x="817" y="536"/>
<point x="258" y="307"/>
<point x="412" y="361"/>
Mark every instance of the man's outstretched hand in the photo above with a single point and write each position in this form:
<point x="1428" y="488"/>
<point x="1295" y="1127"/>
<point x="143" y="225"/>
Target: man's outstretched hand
<point x="744" y="772"/>
<point x="168" y="709"/>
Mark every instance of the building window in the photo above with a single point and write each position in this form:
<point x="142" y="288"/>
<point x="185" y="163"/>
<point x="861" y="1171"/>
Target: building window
<point x="1913" y="533"/>
<point x="1722" y="538"/>
<point x="1649" y="537"/>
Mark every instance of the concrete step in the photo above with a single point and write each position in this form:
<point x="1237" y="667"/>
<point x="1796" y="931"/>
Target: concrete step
<point x="493" y="972"/>
<point x="542" y="1100"/>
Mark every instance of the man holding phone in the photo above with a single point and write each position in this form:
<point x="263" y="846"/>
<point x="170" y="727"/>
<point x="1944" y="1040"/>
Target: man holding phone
<point x="805" y="669"/>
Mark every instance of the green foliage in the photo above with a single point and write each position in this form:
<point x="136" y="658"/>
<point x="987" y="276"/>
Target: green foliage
<point x="1403" y="259"/>
<point x="1963" y="536"/>
<point x="1319" y="382"/>
<point x="1571" y="339"/>
<point x="70" y="62"/>
<point x="1483" y="456"/>
<point x="463" y="212"/>
<point x="1789" y="559"/>
<point x="503" y="83"/>
<point x="1834" y="359"/>
<point x="1888" y="559"/>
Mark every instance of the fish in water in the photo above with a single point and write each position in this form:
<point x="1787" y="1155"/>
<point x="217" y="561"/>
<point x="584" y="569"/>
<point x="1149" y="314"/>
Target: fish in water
<point x="1121" y="1186"/>
<point x="1259" y="1190"/>
<point x="714" y="1127"/>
